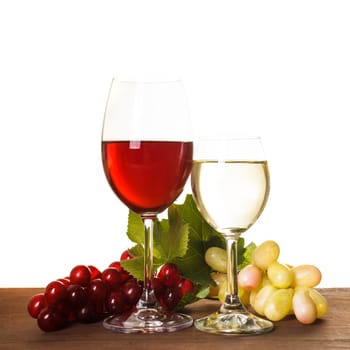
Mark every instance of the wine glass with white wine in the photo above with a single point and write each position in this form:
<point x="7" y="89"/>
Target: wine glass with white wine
<point x="230" y="184"/>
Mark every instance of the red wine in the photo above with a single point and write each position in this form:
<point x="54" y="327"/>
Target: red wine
<point x="147" y="175"/>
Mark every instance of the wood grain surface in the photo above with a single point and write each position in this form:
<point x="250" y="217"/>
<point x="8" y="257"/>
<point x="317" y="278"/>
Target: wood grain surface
<point x="19" y="331"/>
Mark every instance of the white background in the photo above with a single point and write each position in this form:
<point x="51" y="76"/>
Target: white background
<point x="280" y="69"/>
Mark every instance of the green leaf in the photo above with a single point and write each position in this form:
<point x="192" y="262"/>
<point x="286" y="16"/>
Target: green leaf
<point x="245" y="257"/>
<point x="201" y="236"/>
<point x="193" y="267"/>
<point x="191" y="298"/>
<point x="134" y="266"/>
<point x="171" y="237"/>
<point x="137" y="250"/>
<point x="183" y="239"/>
<point x="201" y="229"/>
<point x="203" y="293"/>
<point x="135" y="230"/>
<point x="190" y="213"/>
<point x="185" y="300"/>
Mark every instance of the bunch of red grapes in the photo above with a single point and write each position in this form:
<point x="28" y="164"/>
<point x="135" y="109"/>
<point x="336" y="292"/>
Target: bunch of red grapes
<point x="88" y="295"/>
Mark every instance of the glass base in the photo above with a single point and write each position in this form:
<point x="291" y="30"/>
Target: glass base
<point x="234" y="323"/>
<point x="148" y="321"/>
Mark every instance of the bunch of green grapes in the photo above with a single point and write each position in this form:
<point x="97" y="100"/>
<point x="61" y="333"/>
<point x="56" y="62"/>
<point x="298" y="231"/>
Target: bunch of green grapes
<point x="272" y="289"/>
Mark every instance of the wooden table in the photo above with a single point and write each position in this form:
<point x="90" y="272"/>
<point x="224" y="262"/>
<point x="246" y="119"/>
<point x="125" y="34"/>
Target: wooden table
<point x="19" y="331"/>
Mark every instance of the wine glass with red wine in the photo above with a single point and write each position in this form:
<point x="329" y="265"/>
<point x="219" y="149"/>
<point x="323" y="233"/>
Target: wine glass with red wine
<point x="147" y="157"/>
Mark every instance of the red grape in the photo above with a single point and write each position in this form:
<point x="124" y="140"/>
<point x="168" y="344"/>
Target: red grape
<point x="81" y="275"/>
<point x="97" y="290"/>
<point x="169" y="275"/>
<point x="124" y="275"/>
<point x="158" y="287"/>
<point x="170" y="298"/>
<point x="126" y="255"/>
<point x="87" y="295"/>
<point x="117" y="303"/>
<point x="36" y="303"/>
<point x="94" y="272"/>
<point x="111" y="276"/>
<point x="65" y="281"/>
<point x="55" y="292"/>
<point x="50" y="320"/>
<point x="77" y="295"/>
<point x="64" y="309"/>
<point x="186" y="286"/>
<point x="117" y="265"/>
<point x="87" y="314"/>
<point x="132" y="291"/>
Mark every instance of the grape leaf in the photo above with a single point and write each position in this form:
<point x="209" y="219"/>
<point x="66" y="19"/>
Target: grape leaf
<point x="182" y="239"/>
<point x="170" y="239"/>
<point x="137" y="250"/>
<point x="171" y="236"/>
<point x="135" y="230"/>
<point x="134" y="267"/>
<point x="201" y="236"/>
<point x="245" y="255"/>
<point x="136" y="233"/>
<point x="201" y="229"/>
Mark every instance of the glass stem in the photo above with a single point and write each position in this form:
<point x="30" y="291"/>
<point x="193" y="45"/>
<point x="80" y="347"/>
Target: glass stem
<point x="148" y="299"/>
<point x="232" y="301"/>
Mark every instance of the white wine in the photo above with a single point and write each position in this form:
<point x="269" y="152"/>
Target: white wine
<point x="230" y="194"/>
<point x="230" y="185"/>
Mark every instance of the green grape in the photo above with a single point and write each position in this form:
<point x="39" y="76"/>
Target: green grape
<point x="216" y="258"/>
<point x="222" y="292"/>
<point x="279" y="304"/>
<point x="265" y="282"/>
<point x="306" y="276"/>
<point x="253" y="295"/>
<point x="219" y="279"/>
<point x="280" y="275"/>
<point x="243" y="294"/>
<point x="319" y="300"/>
<point x="304" y="307"/>
<point x="265" y="254"/>
<point x="249" y="277"/>
<point x="261" y="298"/>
